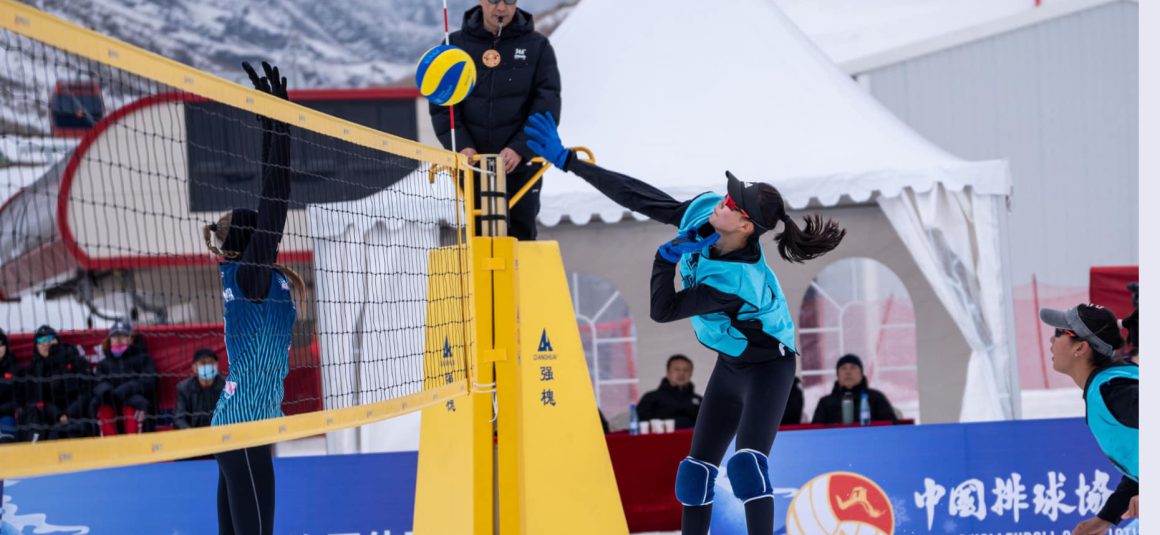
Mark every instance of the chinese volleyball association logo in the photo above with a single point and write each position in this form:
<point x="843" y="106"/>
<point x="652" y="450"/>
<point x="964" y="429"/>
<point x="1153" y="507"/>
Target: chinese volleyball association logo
<point x="840" y="503"/>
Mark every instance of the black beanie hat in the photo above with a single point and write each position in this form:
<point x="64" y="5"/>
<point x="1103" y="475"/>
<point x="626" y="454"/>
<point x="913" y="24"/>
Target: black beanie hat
<point x="850" y="358"/>
<point x="203" y="353"/>
<point x="45" y="330"/>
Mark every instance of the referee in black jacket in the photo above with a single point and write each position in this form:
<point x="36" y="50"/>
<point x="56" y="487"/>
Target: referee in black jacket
<point x="517" y="77"/>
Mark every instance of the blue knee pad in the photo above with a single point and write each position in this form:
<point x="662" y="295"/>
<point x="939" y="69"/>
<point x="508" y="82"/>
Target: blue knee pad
<point x="695" y="480"/>
<point x="749" y="474"/>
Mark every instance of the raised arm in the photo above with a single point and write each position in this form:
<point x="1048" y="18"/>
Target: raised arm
<point x="633" y="194"/>
<point x="262" y="251"/>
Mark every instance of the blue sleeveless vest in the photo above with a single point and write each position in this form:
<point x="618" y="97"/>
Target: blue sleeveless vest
<point x="1119" y="442"/>
<point x="754" y="283"/>
<point x="258" y="337"/>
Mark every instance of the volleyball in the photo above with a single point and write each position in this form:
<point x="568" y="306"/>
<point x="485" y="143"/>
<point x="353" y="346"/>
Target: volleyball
<point x="840" y="503"/>
<point x="445" y="75"/>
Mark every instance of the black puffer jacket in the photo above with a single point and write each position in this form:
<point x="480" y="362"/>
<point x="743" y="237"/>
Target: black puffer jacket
<point x="525" y="82"/>
<point x="829" y="409"/>
<point x="131" y="374"/>
<point x="195" y="405"/>
<point x="63" y="381"/>
<point x="667" y="401"/>
<point x="11" y="396"/>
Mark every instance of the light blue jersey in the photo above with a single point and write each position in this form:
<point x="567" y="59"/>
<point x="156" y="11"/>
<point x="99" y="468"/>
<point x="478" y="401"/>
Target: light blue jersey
<point x="754" y="283"/>
<point x="258" y="337"/>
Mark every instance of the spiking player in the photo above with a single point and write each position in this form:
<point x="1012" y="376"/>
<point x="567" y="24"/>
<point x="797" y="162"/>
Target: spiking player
<point x="737" y="309"/>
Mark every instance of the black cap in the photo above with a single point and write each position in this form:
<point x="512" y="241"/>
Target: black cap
<point x="850" y="358"/>
<point x="203" y="353"/>
<point x="242" y="224"/>
<point x="45" y="330"/>
<point x="121" y="327"/>
<point x="747" y="197"/>
<point x="1093" y="324"/>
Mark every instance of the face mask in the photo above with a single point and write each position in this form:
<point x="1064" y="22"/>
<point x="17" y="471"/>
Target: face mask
<point x="207" y="372"/>
<point x="119" y="349"/>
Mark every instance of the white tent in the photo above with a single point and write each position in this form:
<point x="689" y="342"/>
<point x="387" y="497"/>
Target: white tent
<point x="371" y="264"/>
<point x="678" y="91"/>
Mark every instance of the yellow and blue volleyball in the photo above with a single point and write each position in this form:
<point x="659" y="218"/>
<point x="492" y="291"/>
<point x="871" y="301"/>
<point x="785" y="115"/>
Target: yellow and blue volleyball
<point x="445" y="75"/>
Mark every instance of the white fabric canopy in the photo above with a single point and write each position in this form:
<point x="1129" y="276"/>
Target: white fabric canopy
<point x="370" y="267"/>
<point x="676" y="92"/>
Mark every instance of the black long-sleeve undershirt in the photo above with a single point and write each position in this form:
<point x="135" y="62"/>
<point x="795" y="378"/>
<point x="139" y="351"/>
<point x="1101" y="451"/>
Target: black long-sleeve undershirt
<point x="257" y="262"/>
<point x="633" y="194"/>
<point x="667" y="304"/>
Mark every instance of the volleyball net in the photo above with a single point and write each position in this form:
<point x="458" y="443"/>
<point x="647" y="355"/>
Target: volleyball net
<point x="113" y="160"/>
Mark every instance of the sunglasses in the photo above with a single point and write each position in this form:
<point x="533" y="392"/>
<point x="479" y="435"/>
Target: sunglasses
<point x="1061" y="332"/>
<point x="508" y="2"/>
<point x="733" y="206"/>
<point x="45" y="339"/>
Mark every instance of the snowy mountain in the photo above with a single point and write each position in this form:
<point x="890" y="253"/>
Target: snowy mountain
<point x="322" y="43"/>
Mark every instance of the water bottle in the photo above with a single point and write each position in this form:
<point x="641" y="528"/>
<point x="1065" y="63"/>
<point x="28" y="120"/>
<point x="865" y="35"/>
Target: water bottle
<point x="848" y="408"/>
<point x="864" y="412"/>
<point x="633" y="420"/>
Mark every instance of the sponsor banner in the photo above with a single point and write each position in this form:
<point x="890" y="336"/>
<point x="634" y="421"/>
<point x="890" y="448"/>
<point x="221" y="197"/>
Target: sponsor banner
<point x="1037" y="477"/>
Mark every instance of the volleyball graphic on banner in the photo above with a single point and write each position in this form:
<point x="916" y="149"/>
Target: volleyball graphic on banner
<point x="445" y="75"/>
<point x="840" y="503"/>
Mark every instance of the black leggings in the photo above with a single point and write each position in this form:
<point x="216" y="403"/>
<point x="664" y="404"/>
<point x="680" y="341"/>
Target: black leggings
<point x="246" y="491"/>
<point x="747" y="399"/>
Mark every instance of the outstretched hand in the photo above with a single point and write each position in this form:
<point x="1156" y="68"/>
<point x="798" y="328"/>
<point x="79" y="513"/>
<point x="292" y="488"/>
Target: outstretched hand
<point x="685" y="243"/>
<point x="544" y="140"/>
<point x="273" y="82"/>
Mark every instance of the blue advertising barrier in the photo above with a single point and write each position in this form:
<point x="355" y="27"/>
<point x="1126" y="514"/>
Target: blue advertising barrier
<point x="1037" y="477"/>
<point x="1034" y="477"/>
<point x="370" y="494"/>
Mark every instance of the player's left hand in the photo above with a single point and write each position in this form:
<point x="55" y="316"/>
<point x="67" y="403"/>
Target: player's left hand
<point x="511" y="159"/>
<point x="544" y="140"/>
<point x="684" y="243"/>
<point x="1133" y="508"/>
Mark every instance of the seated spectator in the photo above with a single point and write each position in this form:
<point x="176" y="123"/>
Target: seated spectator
<point x="126" y="379"/>
<point x="198" y="395"/>
<point x="58" y="385"/>
<point x="796" y="404"/>
<point x="9" y="400"/>
<point x="852" y="381"/>
<point x="675" y="398"/>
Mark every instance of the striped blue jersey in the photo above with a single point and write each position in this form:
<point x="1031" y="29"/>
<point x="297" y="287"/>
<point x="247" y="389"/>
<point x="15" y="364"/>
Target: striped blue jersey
<point x="258" y="337"/>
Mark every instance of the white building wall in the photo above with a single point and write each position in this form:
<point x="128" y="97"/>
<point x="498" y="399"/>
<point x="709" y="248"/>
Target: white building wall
<point x="1059" y="101"/>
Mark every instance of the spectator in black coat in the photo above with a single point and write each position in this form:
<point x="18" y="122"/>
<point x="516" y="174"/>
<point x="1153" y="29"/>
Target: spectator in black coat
<point x="197" y="396"/>
<point x="127" y="380"/>
<point x="852" y="381"/>
<point x="517" y="76"/>
<point x="675" y="398"/>
<point x="795" y="405"/>
<point x="58" y="385"/>
<point x="9" y="400"/>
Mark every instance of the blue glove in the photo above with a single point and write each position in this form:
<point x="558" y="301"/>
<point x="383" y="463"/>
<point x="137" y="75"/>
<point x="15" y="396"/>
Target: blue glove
<point x="685" y="242"/>
<point x="545" y="141"/>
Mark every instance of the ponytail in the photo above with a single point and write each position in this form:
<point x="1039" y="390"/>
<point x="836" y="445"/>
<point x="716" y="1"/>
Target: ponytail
<point x="818" y="238"/>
